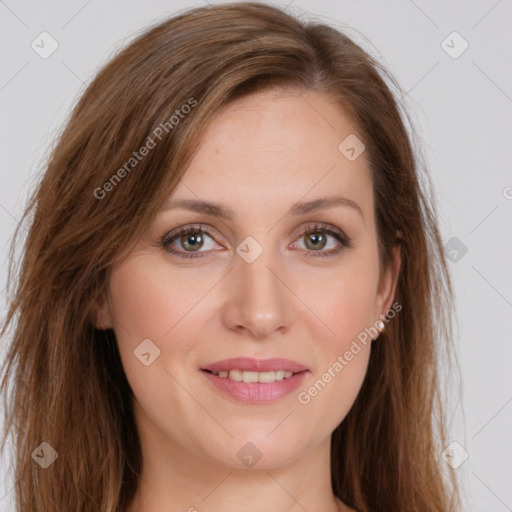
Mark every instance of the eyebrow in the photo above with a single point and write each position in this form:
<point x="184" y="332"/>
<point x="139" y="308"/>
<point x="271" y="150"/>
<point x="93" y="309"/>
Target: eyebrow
<point x="224" y="212"/>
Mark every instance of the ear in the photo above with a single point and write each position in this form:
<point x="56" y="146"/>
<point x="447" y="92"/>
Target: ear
<point x="387" y="284"/>
<point x="101" y="314"/>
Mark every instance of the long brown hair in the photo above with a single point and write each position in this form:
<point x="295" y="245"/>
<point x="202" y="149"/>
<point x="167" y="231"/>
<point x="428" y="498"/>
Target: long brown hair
<point x="68" y="385"/>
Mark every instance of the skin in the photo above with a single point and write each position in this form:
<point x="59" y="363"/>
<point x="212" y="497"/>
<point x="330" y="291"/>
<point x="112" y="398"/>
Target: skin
<point x="260" y="155"/>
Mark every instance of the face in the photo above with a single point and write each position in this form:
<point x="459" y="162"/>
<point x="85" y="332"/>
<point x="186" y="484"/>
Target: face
<point x="267" y="281"/>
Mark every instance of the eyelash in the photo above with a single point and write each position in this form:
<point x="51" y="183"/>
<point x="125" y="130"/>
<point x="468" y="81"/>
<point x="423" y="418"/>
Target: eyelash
<point x="169" y="238"/>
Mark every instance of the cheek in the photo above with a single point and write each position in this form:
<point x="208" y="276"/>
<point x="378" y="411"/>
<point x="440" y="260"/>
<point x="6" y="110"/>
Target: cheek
<point x="327" y="397"/>
<point x="170" y="308"/>
<point x="149" y="302"/>
<point x="342" y="300"/>
<point x="342" y="360"/>
<point x="344" y="304"/>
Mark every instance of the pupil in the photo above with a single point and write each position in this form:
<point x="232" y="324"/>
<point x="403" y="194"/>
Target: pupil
<point x="317" y="240"/>
<point x="194" y="238"/>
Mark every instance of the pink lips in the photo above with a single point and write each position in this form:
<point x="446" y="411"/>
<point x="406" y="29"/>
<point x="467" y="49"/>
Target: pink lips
<point x="256" y="392"/>
<point x="256" y="365"/>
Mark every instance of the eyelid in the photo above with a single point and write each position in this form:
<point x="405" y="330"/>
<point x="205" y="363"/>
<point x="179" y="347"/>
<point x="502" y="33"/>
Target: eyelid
<point x="175" y="234"/>
<point x="320" y="226"/>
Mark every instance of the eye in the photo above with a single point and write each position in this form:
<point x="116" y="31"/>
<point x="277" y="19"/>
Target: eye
<point x="187" y="242"/>
<point x="190" y="240"/>
<point x="316" y="239"/>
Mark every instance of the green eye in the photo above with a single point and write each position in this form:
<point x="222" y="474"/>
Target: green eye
<point x="187" y="242"/>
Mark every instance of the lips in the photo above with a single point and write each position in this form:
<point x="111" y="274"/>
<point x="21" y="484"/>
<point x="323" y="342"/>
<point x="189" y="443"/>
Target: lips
<point x="255" y="365"/>
<point x="255" y="392"/>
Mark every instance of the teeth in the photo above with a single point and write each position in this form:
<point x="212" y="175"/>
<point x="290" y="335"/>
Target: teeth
<point x="250" y="376"/>
<point x="243" y="376"/>
<point x="236" y="375"/>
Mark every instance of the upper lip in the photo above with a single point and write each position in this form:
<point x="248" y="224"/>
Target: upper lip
<point x="255" y="365"/>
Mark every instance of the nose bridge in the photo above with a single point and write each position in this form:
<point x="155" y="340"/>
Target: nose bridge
<point x="258" y="299"/>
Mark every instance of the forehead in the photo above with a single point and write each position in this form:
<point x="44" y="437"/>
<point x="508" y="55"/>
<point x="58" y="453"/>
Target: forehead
<point x="276" y="147"/>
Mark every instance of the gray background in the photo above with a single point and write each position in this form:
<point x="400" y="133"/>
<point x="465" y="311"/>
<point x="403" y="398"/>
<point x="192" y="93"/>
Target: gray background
<point x="461" y="107"/>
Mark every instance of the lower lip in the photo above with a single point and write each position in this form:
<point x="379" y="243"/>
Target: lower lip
<point x="256" y="392"/>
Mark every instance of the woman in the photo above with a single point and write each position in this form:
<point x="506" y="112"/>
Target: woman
<point x="233" y="290"/>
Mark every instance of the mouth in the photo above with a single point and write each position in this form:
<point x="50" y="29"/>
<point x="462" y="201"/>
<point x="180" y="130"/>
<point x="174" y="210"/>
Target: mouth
<point x="249" y="376"/>
<point x="248" y="364"/>
<point x="255" y="380"/>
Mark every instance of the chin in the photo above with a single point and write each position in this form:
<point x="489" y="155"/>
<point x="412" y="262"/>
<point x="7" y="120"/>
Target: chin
<point x="255" y="449"/>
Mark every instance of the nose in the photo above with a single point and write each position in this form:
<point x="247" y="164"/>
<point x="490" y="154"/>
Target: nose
<point x="258" y="302"/>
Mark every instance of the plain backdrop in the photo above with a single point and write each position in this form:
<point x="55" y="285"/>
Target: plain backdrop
<point x="459" y="93"/>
